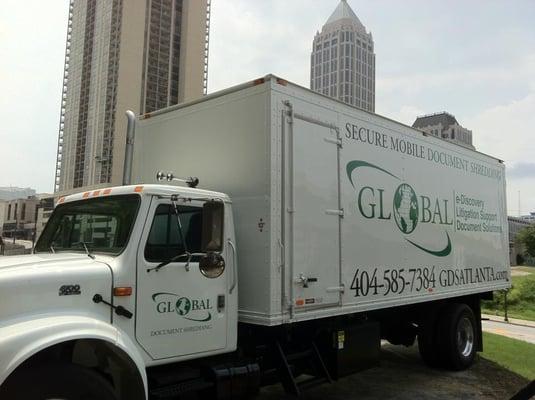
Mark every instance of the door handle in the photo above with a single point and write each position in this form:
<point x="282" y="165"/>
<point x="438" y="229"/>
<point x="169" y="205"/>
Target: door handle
<point x="234" y="269"/>
<point x="304" y="280"/>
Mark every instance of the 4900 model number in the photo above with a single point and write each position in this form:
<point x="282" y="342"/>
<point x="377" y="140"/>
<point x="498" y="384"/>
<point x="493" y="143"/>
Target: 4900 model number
<point x="385" y="281"/>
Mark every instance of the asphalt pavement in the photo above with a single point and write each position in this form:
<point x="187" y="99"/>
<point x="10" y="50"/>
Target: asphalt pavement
<point x="403" y="376"/>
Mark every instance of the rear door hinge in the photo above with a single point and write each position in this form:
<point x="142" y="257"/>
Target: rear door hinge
<point x="339" y="212"/>
<point x="336" y="141"/>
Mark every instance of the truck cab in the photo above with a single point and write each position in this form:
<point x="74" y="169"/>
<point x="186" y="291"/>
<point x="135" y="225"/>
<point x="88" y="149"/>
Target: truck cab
<point x="149" y="268"/>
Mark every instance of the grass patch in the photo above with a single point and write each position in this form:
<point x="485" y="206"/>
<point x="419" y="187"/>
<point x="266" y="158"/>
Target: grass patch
<point x="515" y="355"/>
<point x="526" y="313"/>
<point x="520" y="299"/>
<point x="527" y="268"/>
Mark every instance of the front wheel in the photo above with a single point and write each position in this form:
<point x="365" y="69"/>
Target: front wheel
<point x="459" y="336"/>
<point x="59" y="381"/>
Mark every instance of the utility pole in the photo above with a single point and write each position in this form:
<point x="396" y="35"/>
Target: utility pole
<point x="519" y="213"/>
<point x="16" y="225"/>
<point x="506" y="318"/>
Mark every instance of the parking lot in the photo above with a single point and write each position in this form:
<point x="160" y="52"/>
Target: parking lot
<point x="402" y="375"/>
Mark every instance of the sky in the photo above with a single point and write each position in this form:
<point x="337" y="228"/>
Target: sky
<point x="474" y="59"/>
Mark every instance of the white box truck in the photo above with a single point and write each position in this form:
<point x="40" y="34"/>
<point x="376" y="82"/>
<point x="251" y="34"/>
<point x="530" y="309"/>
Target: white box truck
<point x="320" y="230"/>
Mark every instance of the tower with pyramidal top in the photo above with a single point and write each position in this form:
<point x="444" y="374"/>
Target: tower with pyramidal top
<point x="342" y="63"/>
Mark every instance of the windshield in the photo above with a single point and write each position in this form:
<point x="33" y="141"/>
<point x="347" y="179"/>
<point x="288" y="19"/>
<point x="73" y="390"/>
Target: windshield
<point x="102" y="225"/>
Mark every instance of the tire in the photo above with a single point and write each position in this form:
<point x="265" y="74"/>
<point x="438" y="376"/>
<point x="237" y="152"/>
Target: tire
<point x="59" y="381"/>
<point x="428" y="341"/>
<point x="458" y="337"/>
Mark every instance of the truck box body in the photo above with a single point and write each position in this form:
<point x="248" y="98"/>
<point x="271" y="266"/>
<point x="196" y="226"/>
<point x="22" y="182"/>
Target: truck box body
<point x="336" y="210"/>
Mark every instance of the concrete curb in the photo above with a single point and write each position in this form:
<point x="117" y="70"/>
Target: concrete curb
<point x="512" y="321"/>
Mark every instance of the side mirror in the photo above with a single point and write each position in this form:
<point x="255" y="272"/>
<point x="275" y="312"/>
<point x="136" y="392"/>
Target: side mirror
<point x="212" y="226"/>
<point x="212" y="265"/>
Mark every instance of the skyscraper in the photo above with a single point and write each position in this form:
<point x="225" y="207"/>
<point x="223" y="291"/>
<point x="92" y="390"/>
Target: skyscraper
<point x="141" y="55"/>
<point x="342" y="63"/>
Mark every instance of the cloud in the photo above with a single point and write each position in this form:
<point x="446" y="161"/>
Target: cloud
<point x="406" y="114"/>
<point x="522" y="170"/>
<point x="32" y="46"/>
<point x="247" y="42"/>
<point x="506" y="130"/>
<point x="480" y="69"/>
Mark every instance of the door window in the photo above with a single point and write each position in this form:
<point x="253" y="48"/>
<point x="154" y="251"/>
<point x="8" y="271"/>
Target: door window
<point x="165" y="240"/>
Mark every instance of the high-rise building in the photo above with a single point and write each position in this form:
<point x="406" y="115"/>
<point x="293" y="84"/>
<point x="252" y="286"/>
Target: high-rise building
<point x="141" y="55"/>
<point x="342" y="63"/>
<point x="12" y="193"/>
<point x="445" y="126"/>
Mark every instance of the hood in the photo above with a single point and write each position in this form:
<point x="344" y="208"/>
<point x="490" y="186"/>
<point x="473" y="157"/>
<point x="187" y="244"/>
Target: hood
<point x="60" y="283"/>
<point x="43" y="259"/>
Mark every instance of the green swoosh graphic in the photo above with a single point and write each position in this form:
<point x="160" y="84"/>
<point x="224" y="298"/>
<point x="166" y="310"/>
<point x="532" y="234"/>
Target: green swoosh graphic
<point x="208" y="318"/>
<point x="440" y="253"/>
<point x="353" y="165"/>
<point x="155" y="295"/>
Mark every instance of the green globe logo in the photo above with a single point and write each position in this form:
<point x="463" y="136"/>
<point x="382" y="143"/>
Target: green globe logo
<point x="183" y="306"/>
<point x="405" y="208"/>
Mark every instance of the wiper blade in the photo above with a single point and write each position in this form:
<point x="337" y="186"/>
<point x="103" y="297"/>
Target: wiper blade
<point x="91" y="256"/>
<point x="176" y="258"/>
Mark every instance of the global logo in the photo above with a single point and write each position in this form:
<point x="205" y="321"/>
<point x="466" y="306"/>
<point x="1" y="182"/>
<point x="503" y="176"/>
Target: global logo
<point x="191" y="309"/>
<point x="183" y="306"/>
<point x="409" y="210"/>
<point x="406" y="208"/>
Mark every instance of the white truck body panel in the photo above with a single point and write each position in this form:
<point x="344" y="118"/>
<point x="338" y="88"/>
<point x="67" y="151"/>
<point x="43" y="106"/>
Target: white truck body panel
<point x="336" y="210"/>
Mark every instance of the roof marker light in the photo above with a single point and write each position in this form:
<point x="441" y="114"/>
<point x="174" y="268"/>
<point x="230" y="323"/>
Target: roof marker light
<point x="106" y="192"/>
<point x="138" y="189"/>
<point x="96" y="192"/>
<point x="85" y="195"/>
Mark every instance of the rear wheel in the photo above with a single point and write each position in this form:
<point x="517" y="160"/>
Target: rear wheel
<point x="57" y="382"/>
<point x="458" y="336"/>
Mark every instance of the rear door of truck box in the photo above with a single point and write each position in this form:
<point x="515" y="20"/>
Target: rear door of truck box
<point x="311" y="204"/>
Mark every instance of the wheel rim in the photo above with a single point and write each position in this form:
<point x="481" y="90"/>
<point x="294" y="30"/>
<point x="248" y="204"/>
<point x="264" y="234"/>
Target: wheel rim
<point x="465" y="337"/>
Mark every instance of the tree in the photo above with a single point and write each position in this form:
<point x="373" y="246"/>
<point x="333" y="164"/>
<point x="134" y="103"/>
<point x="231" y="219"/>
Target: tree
<point x="526" y="237"/>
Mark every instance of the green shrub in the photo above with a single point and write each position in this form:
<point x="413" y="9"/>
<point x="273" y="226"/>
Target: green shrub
<point x="520" y="299"/>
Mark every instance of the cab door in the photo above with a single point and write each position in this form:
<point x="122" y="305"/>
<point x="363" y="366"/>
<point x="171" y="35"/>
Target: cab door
<point x="180" y="311"/>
